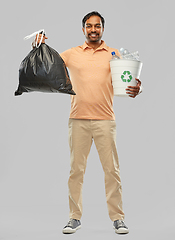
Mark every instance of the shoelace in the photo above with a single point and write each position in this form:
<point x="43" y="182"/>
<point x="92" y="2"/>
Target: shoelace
<point x="70" y="223"/>
<point x="121" y="223"/>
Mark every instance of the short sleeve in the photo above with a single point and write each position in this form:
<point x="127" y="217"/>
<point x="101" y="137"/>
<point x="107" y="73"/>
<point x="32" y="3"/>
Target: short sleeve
<point x="66" y="55"/>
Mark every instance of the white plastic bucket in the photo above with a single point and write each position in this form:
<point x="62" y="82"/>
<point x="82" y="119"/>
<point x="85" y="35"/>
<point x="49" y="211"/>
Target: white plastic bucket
<point x="124" y="72"/>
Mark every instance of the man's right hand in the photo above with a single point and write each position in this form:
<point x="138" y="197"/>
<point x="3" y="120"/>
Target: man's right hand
<point x="38" y="39"/>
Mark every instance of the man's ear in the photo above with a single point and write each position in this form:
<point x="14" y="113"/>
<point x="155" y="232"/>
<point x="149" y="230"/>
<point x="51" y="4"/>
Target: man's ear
<point x="83" y="31"/>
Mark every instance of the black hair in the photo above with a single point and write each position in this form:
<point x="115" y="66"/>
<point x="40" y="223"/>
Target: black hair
<point x="94" y="13"/>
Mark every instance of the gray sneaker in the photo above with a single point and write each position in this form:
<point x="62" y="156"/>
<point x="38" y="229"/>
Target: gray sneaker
<point x="72" y="226"/>
<point x="120" y="227"/>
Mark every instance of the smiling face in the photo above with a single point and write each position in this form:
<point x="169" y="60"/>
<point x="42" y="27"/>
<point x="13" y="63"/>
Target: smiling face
<point x="93" y="29"/>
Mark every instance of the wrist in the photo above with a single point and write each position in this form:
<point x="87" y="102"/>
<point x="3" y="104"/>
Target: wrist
<point x="141" y="89"/>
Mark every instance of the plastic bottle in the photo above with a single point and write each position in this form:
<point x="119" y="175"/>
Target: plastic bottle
<point x="114" y="56"/>
<point x="128" y="55"/>
<point x="124" y="51"/>
<point x="133" y="56"/>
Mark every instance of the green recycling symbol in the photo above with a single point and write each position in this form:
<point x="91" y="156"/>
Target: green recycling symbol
<point x="126" y="76"/>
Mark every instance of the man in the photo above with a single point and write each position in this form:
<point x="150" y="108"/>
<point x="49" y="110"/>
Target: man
<point x="92" y="118"/>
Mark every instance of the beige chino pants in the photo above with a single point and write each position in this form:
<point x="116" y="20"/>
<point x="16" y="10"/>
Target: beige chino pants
<point x="81" y="133"/>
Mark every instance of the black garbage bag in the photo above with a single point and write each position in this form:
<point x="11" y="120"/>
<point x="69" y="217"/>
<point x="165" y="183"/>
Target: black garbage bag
<point x="44" y="70"/>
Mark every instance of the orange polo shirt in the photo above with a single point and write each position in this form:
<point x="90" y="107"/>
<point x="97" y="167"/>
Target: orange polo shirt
<point x="91" y="80"/>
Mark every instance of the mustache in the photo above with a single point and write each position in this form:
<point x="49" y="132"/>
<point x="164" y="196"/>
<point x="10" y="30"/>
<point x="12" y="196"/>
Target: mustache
<point x="93" y="33"/>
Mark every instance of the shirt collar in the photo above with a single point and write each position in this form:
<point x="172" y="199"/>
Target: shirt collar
<point x="102" y="46"/>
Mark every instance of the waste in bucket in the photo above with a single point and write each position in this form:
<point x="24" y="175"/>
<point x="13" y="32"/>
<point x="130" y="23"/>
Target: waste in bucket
<point x="124" y="72"/>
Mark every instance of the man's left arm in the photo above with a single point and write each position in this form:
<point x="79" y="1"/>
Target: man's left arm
<point x="133" y="91"/>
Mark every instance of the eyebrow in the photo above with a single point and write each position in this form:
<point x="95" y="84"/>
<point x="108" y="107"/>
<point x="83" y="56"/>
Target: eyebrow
<point x="94" y="24"/>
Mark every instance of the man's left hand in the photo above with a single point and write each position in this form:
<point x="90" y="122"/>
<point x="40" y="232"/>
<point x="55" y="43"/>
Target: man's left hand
<point x="133" y="91"/>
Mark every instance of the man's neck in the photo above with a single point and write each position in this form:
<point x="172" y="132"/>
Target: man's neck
<point x="94" y="45"/>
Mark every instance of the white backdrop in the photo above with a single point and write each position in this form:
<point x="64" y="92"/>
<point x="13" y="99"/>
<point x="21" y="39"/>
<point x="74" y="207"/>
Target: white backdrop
<point x="34" y="162"/>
